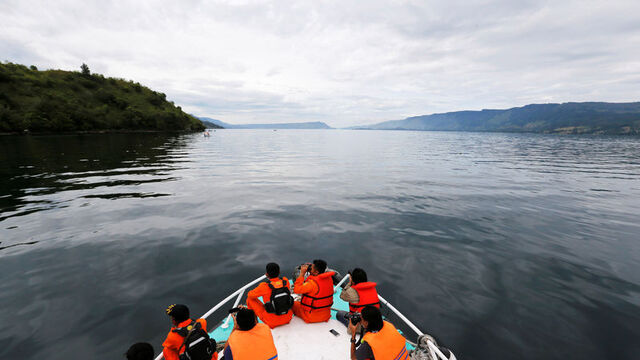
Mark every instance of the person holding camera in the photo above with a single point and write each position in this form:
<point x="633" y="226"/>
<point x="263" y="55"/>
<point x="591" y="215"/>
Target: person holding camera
<point x="381" y="340"/>
<point x="359" y="292"/>
<point x="316" y="291"/>
<point x="188" y="339"/>
<point x="275" y="307"/>
<point x="249" y="339"/>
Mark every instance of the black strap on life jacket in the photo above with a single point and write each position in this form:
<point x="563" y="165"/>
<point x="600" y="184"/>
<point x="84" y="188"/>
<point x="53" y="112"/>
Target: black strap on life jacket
<point x="273" y="288"/>
<point x="363" y="305"/>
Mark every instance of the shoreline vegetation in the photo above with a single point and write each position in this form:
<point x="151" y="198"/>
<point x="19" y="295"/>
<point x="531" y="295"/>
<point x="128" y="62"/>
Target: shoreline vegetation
<point x="58" y="101"/>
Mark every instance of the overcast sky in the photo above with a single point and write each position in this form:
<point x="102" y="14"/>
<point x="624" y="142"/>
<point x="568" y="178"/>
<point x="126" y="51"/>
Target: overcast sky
<point x="341" y="62"/>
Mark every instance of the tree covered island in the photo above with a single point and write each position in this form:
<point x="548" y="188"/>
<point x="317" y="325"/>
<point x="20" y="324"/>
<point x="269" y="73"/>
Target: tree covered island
<point x="67" y="101"/>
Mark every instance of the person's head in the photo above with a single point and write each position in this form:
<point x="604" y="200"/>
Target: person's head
<point x="358" y="276"/>
<point x="246" y="319"/>
<point x="318" y="266"/>
<point x="273" y="270"/>
<point x="178" y="313"/>
<point x="140" y="351"/>
<point x="371" y="318"/>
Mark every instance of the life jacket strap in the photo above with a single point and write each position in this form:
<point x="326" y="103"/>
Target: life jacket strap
<point x="360" y="306"/>
<point x="316" y="307"/>
<point x="273" y="288"/>
<point x="318" y="298"/>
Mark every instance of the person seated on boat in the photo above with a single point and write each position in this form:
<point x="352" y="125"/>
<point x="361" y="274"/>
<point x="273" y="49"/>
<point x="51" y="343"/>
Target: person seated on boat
<point x="381" y="340"/>
<point x="249" y="339"/>
<point x="316" y="291"/>
<point x="359" y="292"/>
<point x="275" y="307"/>
<point x="140" y="351"/>
<point x="186" y="336"/>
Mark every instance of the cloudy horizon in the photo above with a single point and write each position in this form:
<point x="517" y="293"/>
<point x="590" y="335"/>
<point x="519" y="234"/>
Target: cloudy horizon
<point x="344" y="63"/>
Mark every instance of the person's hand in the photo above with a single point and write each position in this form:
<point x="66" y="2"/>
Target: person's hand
<point x="235" y="322"/>
<point x="352" y="329"/>
<point x="303" y="269"/>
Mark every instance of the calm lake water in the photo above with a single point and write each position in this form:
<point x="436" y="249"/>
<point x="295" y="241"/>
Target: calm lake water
<point x="503" y="246"/>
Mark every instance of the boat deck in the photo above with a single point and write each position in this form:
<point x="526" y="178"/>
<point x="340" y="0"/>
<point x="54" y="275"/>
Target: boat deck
<point x="299" y="340"/>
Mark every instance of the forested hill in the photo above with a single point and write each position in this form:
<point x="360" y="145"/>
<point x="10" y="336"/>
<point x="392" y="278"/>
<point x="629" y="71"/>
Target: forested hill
<point x="61" y="101"/>
<point x="567" y="118"/>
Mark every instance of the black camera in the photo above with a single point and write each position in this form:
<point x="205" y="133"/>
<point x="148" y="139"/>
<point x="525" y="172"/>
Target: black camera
<point x="353" y="317"/>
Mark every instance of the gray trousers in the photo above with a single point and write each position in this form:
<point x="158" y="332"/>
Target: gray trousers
<point x="340" y="316"/>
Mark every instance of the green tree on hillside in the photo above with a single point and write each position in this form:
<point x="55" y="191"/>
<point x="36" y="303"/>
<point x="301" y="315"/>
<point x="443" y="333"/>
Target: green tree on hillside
<point x="84" y="69"/>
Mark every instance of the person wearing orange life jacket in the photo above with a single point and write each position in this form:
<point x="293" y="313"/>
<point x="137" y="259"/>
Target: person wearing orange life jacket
<point x="358" y="293"/>
<point x="316" y="291"/>
<point x="381" y="340"/>
<point x="269" y="309"/>
<point x="249" y="340"/>
<point x="185" y="333"/>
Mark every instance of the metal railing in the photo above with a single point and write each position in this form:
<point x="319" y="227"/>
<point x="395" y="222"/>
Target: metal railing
<point x="433" y="349"/>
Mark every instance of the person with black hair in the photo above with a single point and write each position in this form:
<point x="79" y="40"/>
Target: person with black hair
<point x="275" y="307"/>
<point x="381" y="340"/>
<point x="359" y="292"/>
<point x="140" y="351"/>
<point x="183" y="332"/>
<point x="316" y="291"/>
<point x="249" y="339"/>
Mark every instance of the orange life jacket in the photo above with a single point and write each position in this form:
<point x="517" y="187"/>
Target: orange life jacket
<point x="254" y="344"/>
<point x="323" y="298"/>
<point x="387" y="344"/>
<point x="367" y="295"/>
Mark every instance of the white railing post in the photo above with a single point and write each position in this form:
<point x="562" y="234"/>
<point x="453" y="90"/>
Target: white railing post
<point x="219" y="305"/>
<point x="341" y="282"/>
<point x="402" y="317"/>
<point x="235" y="304"/>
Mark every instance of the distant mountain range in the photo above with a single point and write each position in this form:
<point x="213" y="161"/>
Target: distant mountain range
<point x="566" y="118"/>
<point x="209" y="122"/>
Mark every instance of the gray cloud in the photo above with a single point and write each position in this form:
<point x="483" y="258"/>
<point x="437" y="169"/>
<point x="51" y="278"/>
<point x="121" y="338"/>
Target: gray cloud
<point x="343" y="62"/>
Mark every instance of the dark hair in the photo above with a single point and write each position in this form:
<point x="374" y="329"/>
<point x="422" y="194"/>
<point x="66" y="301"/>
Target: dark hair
<point x="140" y="351"/>
<point x="358" y="276"/>
<point x="178" y="312"/>
<point x="321" y="265"/>
<point x="246" y="319"/>
<point x="373" y="316"/>
<point x="273" y="270"/>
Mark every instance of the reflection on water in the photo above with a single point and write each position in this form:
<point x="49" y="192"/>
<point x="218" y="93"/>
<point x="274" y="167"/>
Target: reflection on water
<point x="37" y="170"/>
<point x="503" y="246"/>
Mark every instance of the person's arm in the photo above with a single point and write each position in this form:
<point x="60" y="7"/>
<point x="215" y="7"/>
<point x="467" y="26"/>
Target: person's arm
<point x="349" y="294"/>
<point x="353" y="346"/>
<point x="363" y="352"/>
<point x="302" y="287"/>
<point x="258" y="291"/>
<point x="170" y="354"/>
<point x="203" y="324"/>
<point x="170" y="349"/>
